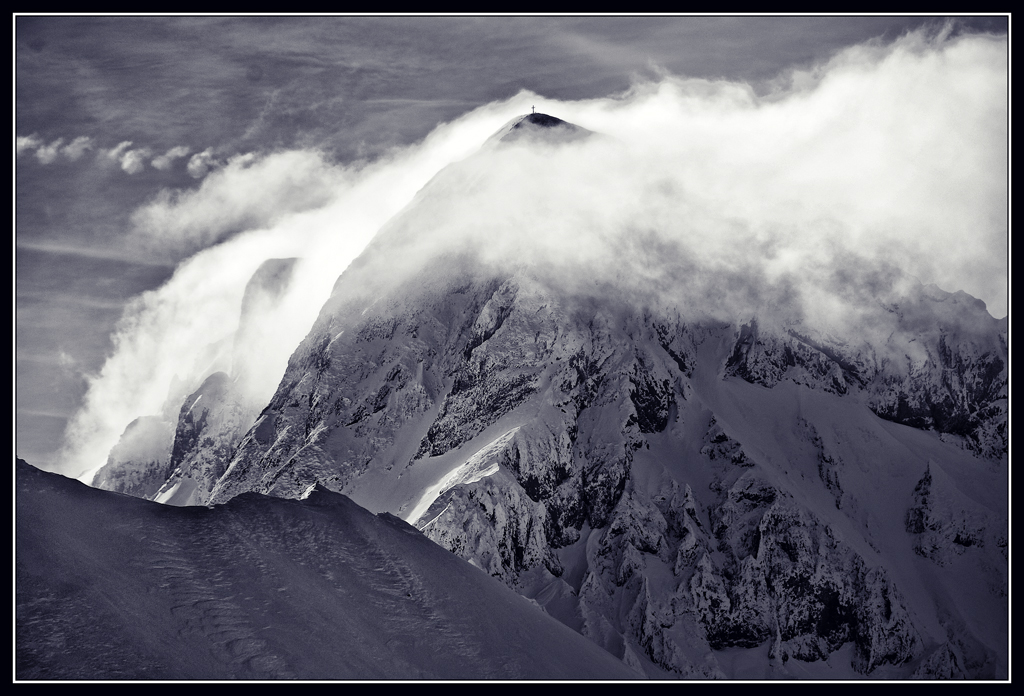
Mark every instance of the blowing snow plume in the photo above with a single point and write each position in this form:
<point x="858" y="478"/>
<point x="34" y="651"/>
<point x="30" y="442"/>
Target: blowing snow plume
<point x="886" y="161"/>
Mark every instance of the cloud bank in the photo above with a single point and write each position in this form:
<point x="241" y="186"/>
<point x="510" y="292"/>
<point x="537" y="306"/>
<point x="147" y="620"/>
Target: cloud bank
<point x="248" y="192"/>
<point x="886" y="160"/>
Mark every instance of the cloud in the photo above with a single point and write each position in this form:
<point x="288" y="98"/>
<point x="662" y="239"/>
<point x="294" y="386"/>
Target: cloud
<point x="166" y="160"/>
<point x="116" y="153"/>
<point x="48" y="153"/>
<point x="897" y="154"/>
<point x="201" y="163"/>
<point x="77" y="147"/>
<point x="131" y="161"/>
<point x="67" y="364"/>
<point x="812" y="201"/>
<point x="171" y="338"/>
<point x="248" y="191"/>
<point x="134" y="161"/>
<point x="24" y="143"/>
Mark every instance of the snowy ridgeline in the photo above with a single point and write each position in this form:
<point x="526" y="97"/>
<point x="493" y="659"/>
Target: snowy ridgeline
<point x="700" y="496"/>
<point x="113" y="587"/>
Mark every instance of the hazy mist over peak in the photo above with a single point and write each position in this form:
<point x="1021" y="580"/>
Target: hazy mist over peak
<point x="810" y="193"/>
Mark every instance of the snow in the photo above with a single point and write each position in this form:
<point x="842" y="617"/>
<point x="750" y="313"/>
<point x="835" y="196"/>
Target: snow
<point x="181" y="492"/>
<point x="164" y="495"/>
<point x="89" y="475"/>
<point x="114" y="587"/>
<point x="475" y="468"/>
<point x="833" y="465"/>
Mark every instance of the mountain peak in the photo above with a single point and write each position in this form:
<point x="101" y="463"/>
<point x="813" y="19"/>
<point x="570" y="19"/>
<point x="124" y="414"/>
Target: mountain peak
<point x="542" y="120"/>
<point x="540" y="127"/>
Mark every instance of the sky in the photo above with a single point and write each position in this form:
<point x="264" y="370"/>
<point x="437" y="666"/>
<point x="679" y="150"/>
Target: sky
<point x="160" y="161"/>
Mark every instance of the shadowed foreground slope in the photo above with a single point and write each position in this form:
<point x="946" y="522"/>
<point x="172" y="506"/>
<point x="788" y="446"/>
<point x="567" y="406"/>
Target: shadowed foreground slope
<point x="114" y="587"/>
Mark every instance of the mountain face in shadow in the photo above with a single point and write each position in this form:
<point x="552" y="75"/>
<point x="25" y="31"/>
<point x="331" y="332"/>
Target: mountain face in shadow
<point x="115" y="587"/>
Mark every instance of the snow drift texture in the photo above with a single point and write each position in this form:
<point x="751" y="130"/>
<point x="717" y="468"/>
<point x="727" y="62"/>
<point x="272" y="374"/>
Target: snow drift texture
<point x="111" y="587"/>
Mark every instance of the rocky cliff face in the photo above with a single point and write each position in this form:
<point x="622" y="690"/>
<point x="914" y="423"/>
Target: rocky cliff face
<point x="941" y="366"/>
<point x="177" y="457"/>
<point x="140" y="462"/>
<point x="675" y="488"/>
<point x="701" y="495"/>
<point x="211" y="422"/>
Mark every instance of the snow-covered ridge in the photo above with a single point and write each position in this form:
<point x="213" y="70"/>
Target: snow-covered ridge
<point x="480" y="465"/>
<point x="263" y="588"/>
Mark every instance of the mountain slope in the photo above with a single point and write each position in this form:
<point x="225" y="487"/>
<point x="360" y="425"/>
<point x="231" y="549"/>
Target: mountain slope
<point x="177" y="457"/>
<point x="113" y="587"/>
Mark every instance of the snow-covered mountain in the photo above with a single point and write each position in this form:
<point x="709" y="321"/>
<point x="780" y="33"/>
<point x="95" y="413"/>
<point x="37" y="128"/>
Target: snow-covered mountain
<point x="701" y="492"/>
<point x="177" y="457"/>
